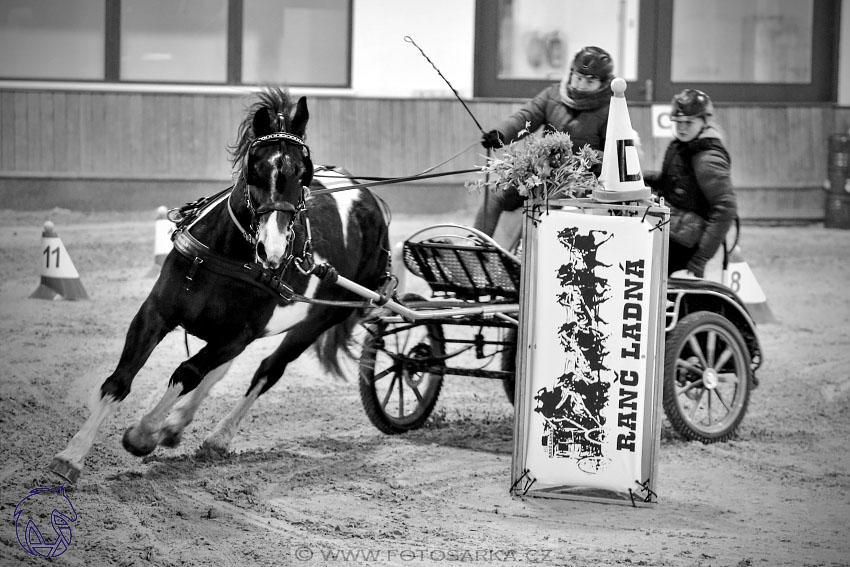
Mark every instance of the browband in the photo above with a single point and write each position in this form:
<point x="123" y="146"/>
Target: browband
<point x="281" y="137"/>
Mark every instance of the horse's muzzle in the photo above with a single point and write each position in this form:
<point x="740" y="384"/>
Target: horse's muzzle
<point x="274" y="244"/>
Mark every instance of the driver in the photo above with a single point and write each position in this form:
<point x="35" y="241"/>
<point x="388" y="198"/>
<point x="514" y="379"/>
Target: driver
<point x="695" y="177"/>
<point x="578" y="105"/>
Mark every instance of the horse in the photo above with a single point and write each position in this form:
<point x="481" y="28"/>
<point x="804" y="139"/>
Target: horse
<point x="246" y="263"/>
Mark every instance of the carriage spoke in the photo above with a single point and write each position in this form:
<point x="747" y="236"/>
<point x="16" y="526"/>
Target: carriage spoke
<point x="383" y="373"/>
<point x="723" y="358"/>
<point x="694" y="409"/>
<point x="418" y="394"/>
<point x="401" y="342"/>
<point x="728" y="377"/>
<point x="689" y="366"/>
<point x="722" y="401"/>
<point x="386" y="399"/>
<point x="697" y="349"/>
<point x="711" y="349"/>
<point x="691" y="386"/>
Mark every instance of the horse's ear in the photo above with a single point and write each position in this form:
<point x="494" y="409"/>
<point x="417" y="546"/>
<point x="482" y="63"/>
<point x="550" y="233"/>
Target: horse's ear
<point x="299" y="120"/>
<point x="262" y="123"/>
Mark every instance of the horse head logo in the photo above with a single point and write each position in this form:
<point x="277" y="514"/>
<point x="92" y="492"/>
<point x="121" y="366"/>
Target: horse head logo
<point x="40" y="504"/>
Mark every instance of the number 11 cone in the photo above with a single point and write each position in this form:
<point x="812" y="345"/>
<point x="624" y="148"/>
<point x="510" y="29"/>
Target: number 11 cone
<point x="59" y="277"/>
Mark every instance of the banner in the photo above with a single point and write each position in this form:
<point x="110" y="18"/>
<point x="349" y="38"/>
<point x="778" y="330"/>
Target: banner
<point x="591" y="369"/>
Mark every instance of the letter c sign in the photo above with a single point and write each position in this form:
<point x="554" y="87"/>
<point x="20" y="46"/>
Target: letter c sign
<point x="662" y="127"/>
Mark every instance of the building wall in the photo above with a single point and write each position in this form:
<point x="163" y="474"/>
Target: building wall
<point x="844" y="56"/>
<point x="384" y="65"/>
<point x="102" y="150"/>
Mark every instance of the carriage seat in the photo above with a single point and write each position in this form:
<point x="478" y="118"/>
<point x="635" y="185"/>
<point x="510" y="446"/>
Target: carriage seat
<point x="462" y="262"/>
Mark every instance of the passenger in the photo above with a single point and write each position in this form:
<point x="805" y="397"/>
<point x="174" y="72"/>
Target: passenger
<point x="578" y="105"/>
<point x="696" y="182"/>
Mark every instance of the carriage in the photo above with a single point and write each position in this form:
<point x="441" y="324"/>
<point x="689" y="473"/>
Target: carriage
<point x="277" y="253"/>
<point x="712" y="351"/>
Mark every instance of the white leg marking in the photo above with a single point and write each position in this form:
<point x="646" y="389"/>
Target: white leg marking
<point x="80" y="445"/>
<point x="145" y="435"/>
<point x="184" y="411"/>
<point x="223" y="434"/>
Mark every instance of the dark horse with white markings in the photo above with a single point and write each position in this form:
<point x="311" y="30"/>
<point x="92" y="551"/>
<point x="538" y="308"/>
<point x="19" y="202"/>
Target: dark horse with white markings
<point x="244" y="266"/>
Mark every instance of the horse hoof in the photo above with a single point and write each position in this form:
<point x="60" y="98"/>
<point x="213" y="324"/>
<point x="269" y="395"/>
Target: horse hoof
<point x="212" y="451"/>
<point x="137" y="442"/>
<point x="170" y="438"/>
<point x="64" y="469"/>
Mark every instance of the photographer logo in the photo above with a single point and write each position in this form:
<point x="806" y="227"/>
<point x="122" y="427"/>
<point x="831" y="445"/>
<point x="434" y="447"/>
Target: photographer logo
<point x="43" y="521"/>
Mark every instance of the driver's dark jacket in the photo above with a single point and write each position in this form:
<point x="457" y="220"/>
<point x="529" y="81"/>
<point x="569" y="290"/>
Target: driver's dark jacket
<point x="548" y="110"/>
<point x="697" y="176"/>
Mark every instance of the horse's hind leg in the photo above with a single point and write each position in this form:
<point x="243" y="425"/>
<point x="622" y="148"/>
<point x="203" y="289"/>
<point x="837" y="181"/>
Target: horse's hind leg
<point x="141" y="439"/>
<point x="217" y="443"/>
<point x="296" y="341"/>
<point x="146" y="331"/>
<point x="184" y="412"/>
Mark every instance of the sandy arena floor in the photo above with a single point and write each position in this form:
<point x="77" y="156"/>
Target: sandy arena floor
<point x="312" y="482"/>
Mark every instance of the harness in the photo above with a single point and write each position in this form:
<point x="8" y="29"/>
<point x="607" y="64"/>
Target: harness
<point x="250" y="272"/>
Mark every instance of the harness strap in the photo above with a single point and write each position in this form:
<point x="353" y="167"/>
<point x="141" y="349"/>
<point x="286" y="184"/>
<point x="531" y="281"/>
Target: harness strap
<point x="249" y="272"/>
<point x="252" y="240"/>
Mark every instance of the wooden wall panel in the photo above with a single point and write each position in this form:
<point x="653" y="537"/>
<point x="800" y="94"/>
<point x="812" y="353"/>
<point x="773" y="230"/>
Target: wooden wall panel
<point x="155" y="136"/>
<point x="7" y="130"/>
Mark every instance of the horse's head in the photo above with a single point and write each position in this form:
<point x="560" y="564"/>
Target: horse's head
<point x="277" y="170"/>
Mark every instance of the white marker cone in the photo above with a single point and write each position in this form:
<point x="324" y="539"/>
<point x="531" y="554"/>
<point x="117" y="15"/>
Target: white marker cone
<point x="59" y="277"/>
<point x="621" y="177"/>
<point x="162" y="245"/>
<point x="740" y="278"/>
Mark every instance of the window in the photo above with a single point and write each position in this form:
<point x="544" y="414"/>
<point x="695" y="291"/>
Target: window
<point x="527" y="44"/>
<point x="297" y="42"/>
<point x="729" y="41"/>
<point x="174" y="41"/>
<point x="753" y="51"/>
<point x="52" y="39"/>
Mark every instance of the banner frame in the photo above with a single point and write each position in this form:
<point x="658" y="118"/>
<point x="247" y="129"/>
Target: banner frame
<point x="522" y="484"/>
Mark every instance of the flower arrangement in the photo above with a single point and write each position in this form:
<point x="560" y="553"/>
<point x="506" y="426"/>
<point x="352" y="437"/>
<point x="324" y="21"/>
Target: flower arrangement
<point x="541" y="168"/>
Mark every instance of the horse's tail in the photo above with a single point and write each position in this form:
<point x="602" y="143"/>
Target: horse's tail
<point x="334" y="341"/>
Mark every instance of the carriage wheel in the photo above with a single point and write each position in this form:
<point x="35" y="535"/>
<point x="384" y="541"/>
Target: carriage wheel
<point x="509" y="364"/>
<point x="706" y="377"/>
<point x="401" y="374"/>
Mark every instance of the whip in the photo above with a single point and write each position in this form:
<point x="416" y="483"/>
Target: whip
<point x="409" y="39"/>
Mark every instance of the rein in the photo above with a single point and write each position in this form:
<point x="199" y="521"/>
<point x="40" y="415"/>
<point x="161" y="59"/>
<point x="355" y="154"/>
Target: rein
<point x="391" y="180"/>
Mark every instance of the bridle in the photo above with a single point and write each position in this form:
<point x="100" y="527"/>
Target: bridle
<point x="283" y="139"/>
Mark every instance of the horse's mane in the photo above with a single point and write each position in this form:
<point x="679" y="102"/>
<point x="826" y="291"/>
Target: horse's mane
<point x="276" y="102"/>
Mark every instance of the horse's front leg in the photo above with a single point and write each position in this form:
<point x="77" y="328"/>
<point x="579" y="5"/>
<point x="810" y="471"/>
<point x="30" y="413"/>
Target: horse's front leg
<point x="145" y="332"/>
<point x="143" y="437"/>
<point x="183" y="414"/>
